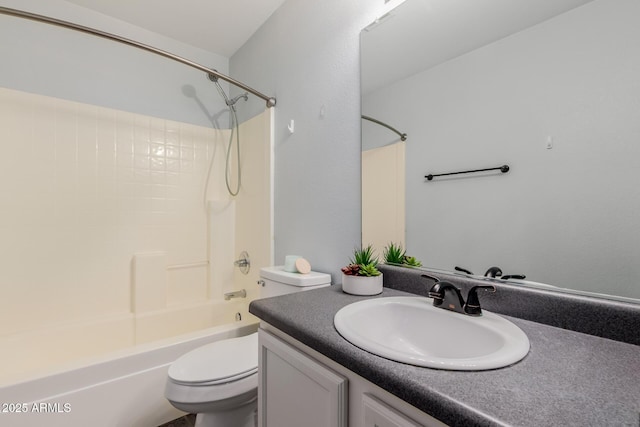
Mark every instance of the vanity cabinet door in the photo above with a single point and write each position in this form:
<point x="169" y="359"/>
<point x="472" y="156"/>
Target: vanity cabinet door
<point x="295" y="390"/>
<point x="377" y="414"/>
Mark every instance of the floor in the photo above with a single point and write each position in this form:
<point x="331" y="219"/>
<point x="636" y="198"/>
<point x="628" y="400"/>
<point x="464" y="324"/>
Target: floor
<point x="186" y="421"/>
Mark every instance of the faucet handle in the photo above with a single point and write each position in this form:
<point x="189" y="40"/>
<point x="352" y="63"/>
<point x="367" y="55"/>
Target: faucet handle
<point x="430" y="277"/>
<point x="437" y="293"/>
<point x="472" y="306"/>
<point x="514" y="276"/>
<point x="464" y="270"/>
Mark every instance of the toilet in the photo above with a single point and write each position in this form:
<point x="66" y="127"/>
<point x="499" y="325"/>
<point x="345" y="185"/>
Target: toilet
<point x="219" y="381"/>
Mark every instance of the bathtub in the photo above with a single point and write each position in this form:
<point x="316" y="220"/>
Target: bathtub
<point x="122" y="388"/>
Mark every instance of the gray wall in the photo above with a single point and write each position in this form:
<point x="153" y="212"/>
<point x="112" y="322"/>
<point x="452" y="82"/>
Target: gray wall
<point x="62" y="63"/>
<point x="307" y="54"/>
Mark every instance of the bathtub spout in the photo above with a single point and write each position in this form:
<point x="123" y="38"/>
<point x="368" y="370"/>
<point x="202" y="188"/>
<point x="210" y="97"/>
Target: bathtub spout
<point x="237" y="294"/>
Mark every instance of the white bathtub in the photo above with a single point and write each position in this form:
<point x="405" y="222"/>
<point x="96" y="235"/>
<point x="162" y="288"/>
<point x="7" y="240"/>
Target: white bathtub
<point x="124" y="388"/>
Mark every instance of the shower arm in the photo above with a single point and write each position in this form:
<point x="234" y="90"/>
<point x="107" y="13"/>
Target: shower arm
<point x="271" y="101"/>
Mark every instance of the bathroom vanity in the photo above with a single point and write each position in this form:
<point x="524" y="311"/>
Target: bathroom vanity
<point x="568" y="377"/>
<point x="299" y="386"/>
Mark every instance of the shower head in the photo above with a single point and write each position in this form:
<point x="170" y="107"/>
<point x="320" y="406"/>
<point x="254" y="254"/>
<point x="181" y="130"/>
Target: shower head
<point x="231" y="102"/>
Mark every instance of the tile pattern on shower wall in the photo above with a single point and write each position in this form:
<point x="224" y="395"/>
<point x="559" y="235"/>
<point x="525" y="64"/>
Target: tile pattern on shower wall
<point x="83" y="188"/>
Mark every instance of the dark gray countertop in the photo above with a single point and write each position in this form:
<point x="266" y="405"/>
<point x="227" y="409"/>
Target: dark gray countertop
<point x="568" y="378"/>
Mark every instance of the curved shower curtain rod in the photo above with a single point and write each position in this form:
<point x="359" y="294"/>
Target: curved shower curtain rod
<point x="271" y="101"/>
<point x="403" y="136"/>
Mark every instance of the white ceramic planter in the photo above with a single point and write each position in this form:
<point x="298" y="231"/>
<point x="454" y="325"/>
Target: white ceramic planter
<point x="362" y="285"/>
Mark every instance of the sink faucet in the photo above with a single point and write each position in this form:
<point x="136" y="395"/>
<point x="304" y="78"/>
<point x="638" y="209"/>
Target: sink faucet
<point x="493" y="272"/>
<point x="472" y="307"/>
<point x="446" y="295"/>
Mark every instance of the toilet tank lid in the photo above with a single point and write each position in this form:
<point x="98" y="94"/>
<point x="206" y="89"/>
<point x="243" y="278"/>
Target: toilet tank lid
<point x="277" y="274"/>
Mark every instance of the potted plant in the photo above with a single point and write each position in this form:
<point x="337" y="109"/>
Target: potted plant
<point x="395" y="254"/>
<point x="361" y="277"/>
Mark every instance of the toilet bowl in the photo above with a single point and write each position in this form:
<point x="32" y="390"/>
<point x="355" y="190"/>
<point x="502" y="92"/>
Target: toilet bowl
<point x="219" y="381"/>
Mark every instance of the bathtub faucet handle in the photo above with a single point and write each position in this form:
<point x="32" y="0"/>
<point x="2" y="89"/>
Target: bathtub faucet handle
<point x="244" y="263"/>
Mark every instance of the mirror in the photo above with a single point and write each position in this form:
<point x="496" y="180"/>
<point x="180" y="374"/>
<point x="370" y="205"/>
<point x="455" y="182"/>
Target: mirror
<point x="550" y="88"/>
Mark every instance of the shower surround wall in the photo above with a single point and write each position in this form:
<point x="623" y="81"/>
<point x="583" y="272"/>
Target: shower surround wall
<point x="383" y="196"/>
<point x="106" y="235"/>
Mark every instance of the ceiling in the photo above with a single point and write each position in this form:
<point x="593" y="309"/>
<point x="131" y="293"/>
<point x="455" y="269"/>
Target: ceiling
<point x="218" y="26"/>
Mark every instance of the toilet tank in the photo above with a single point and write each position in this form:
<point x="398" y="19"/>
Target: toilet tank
<point x="275" y="281"/>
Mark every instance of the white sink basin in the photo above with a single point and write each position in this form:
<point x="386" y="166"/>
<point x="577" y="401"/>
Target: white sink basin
<point x="411" y="330"/>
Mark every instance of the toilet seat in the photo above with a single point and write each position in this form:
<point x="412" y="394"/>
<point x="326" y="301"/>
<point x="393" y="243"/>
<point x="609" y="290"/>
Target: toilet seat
<point x="217" y="363"/>
<point x="216" y="381"/>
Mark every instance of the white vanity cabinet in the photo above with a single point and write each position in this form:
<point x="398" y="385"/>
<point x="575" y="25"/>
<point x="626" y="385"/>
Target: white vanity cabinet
<point x="295" y="390"/>
<point x="300" y="387"/>
<point x="378" y="414"/>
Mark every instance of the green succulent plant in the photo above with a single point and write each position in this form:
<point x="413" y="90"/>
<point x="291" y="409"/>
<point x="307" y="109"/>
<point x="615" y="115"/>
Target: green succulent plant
<point x="364" y="256"/>
<point x="363" y="263"/>
<point x="396" y="254"/>
<point x="369" y="270"/>
<point x="411" y="261"/>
